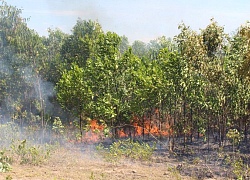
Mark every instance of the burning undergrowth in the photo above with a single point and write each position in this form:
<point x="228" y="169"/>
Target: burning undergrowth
<point x="146" y="127"/>
<point x="97" y="144"/>
<point x="140" y="140"/>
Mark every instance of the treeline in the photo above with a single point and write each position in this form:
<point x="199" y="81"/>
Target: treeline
<point x="198" y="81"/>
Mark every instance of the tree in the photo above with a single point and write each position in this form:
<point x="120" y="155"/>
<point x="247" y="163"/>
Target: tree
<point x="74" y="92"/>
<point x="79" y="46"/>
<point x="53" y="44"/>
<point x="13" y="85"/>
<point x="238" y="68"/>
<point x="242" y="49"/>
<point x="112" y="80"/>
<point x="124" y="45"/>
<point x="139" y="48"/>
<point x="24" y="56"/>
<point x="192" y="89"/>
<point x="213" y="38"/>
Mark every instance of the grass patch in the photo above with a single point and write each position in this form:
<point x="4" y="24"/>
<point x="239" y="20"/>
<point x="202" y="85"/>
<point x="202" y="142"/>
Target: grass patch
<point x="126" y="149"/>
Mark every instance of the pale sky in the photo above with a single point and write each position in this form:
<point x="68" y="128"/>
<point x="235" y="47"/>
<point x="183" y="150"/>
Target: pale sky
<point x="137" y="19"/>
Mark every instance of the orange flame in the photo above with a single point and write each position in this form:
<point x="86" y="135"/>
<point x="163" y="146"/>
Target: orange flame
<point x="139" y="126"/>
<point x="122" y="134"/>
<point x="151" y="125"/>
<point x="95" y="132"/>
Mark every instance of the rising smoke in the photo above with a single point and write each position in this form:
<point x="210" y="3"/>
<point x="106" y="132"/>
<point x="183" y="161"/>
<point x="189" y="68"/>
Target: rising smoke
<point x="26" y="105"/>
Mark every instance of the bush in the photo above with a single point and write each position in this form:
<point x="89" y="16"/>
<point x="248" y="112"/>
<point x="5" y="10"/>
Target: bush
<point x="240" y="169"/>
<point x="126" y="149"/>
<point x="4" y="162"/>
<point x="28" y="154"/>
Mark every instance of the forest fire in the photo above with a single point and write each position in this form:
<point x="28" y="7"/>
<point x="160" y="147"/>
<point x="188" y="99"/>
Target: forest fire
<point x="138" y="127"/>
<point x="95" y="132"/>
<point x="148" y="126"/>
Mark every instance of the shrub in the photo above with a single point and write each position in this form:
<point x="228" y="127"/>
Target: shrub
<point x="4" y="162"/>
<point x="28" y="154"/>
<point x="126" y="149"/>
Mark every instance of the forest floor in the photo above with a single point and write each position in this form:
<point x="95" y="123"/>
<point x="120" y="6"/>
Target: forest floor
<point x="83" y="163"/>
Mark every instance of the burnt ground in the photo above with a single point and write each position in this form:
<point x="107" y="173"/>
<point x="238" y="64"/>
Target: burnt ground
<point x="201" y="160"/>
<point x="83" y="162"/>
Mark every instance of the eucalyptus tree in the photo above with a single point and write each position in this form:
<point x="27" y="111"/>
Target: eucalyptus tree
<point x="124" y="45"/>
<point x="79" y="46"/>
<point x="139" y="48"/>
<point x="105" y="87"/>
<point x="113" y="80"/>
<point x="239" y="67"/>
<point x="26" y="60"/>
<point x="193" y="55"/>
<point x="33" y="66"/>
<point x="53" y="44"/>
<point x="171" y="69"/>
<point x="154" y="46"/>
<point x="218" y="96"/>
<point x="12" y="82"/>
<point x="75" y="50"/>
<point x="74" y="92"/>
<point x="168" y="43"/>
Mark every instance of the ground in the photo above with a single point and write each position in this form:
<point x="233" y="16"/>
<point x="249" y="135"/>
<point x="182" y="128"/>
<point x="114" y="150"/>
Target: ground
<point x="84" y="163"/>
<point x="73" y="163"/>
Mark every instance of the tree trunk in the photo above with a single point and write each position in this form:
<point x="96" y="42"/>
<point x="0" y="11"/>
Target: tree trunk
<point x="184" y="123"/>
<point x="80" y="126"/>
<point x="208" y="133"/>
<point x="191" y="121"/>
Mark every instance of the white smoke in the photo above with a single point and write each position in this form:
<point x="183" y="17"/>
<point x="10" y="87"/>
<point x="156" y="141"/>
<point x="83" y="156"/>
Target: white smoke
<point x="42" y="89"/>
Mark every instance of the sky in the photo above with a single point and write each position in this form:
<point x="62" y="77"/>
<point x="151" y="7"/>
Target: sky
<point x="142" y="20"/>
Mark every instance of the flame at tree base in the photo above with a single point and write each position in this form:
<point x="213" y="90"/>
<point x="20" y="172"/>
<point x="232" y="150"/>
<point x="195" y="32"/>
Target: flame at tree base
<point x="138" y="127"/>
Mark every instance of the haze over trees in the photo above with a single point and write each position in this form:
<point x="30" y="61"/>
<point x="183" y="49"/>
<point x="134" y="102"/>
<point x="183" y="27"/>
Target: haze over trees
<point x="197" y="82"/>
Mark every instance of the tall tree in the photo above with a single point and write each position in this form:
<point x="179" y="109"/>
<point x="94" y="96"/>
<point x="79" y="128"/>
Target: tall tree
<point x="139" y="48"/>
<point x="79" y="46"/>
<point x="124" y="45"/>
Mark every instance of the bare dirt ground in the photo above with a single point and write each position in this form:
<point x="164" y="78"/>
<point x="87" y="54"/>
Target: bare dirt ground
<point x="67" y="164"/>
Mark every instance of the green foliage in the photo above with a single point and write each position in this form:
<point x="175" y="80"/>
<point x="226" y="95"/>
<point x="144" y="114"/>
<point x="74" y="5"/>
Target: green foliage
<point x="57" y="126"/>
<point x="30" y="154"/>
<point x="126" y="149"/>
<point x="198" y="80"/>
<point x="5" y="162"/>
<point x="80" y="46"/>
<point x="139" y="48"/>
<point x="239" y="168"/>
<point x="92" y="176"/>
<point x="73" y="91"/>
<point x="212" y="38"/>
<point x="235" y="136"/>
<point x="124" y="45"/>
<point x="175" y="173"/>
<point x="8" y="177"/>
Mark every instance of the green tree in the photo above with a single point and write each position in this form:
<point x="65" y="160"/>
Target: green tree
<point x="139" y="48"/>
<point x="53" y="44"/>
<point x="124" y="45"/>
<point x="79" y="46"/>
<point x="193" y="56"/>
<point x="112" y="80"/>
<point x="74" y="92"/>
